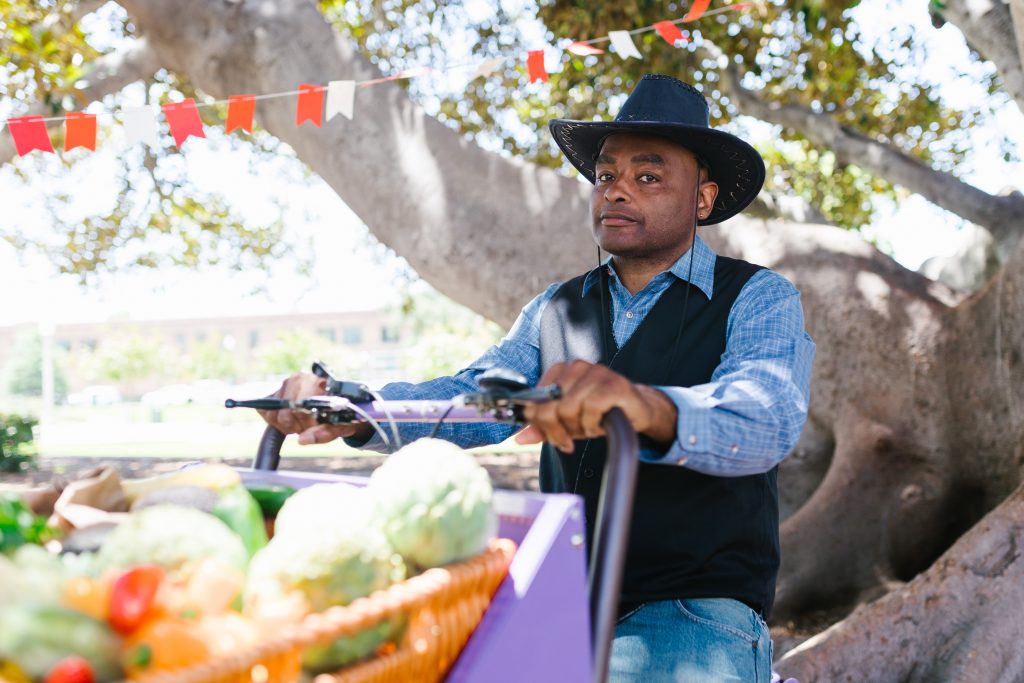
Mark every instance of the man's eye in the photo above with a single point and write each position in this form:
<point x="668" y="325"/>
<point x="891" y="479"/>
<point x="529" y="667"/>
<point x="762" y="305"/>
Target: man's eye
<point x="604" y="177"/>
<point x="648" y="178"/>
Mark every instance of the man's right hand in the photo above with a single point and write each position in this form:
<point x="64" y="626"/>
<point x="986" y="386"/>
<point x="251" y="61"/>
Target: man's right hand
<point x="297" y="387"/>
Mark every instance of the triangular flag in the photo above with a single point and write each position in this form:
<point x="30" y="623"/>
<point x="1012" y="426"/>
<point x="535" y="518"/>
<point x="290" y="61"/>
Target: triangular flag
<point x="414" y="72"/>
<point x="79" y="130"/>
<point x="583" y="49"/>
<point x="140" y="125"/>
<point x="241" y="109"/>
<point x="670" y="32"/>
<point x="535" y="65"/>
<point x="184" y="120"/>
<point x="29" y="133"/>
<point x="310" y="106"/>
<point x="486" y="68"/>
<point x="341" y="97"/>
<point x="696" y="10"/>
<point x="623" y="44"/>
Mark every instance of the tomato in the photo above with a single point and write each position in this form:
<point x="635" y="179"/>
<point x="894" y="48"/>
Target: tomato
<point x="71" y="669"/>
<point x="162" y="644"/>
<point x="133" y="595"/>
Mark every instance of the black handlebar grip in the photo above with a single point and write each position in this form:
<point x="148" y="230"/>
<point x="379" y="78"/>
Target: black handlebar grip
<point x="268" y="455"/>
<point x="611" y="535"/>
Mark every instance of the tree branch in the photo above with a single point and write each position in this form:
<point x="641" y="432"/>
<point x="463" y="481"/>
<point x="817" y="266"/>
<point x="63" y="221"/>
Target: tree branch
<point x="1002" y="215"/>
<point x="989" y="29"/>
<point x="108" y="75"/>
<point x="75" y="14"/>
<point x="1017" y="12"/>
<point x="786" y="207"/>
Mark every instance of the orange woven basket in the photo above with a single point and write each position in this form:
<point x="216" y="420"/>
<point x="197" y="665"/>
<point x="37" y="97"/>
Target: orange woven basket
<point x="443" y="606"/>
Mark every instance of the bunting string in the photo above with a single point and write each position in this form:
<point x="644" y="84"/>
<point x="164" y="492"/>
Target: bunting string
<point x="140" y="122"/>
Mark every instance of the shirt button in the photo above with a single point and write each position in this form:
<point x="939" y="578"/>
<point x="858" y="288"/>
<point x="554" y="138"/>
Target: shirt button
<point x="734" y="450"/>
<point x="692" y="440"/>
<point x="629" y="314"/>
<point x="588" y="473"/>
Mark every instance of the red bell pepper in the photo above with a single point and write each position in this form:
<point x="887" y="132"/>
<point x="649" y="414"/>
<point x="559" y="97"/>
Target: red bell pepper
<point x="132" y="596"/>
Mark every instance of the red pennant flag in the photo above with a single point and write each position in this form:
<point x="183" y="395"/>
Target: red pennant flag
<point x="583" y="49"/>
<point x="79" y="130"/>
<point x="670" y="32"/>
<point x="311" y="105"/>
<point x="241" y="109"/>
<point x="535" y="64"/>
<point x="29" y="133"/>
<point x="184" y="120"/>
<point x="696" y="10"/>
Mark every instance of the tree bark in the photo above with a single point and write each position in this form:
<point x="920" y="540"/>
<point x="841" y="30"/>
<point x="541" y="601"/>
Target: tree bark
<point x="992" y="31"/>
<point x="958" y="621"/>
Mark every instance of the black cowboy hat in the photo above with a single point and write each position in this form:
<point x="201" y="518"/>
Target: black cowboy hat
<point x="665" y="106"/>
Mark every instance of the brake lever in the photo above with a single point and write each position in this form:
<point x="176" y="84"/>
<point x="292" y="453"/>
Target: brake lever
<point x="332" y="410"/>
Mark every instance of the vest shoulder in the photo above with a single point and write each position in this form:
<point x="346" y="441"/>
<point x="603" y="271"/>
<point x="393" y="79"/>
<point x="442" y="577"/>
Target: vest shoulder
<point x="726" y="263"/>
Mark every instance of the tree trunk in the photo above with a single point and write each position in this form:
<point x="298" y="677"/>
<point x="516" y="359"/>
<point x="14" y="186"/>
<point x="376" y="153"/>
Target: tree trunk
<point x="916" y="426"/>
<point x="958" y="621"/>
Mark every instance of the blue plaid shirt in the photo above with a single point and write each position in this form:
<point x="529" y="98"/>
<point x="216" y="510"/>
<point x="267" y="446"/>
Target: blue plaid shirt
<point x="744" y="421"/>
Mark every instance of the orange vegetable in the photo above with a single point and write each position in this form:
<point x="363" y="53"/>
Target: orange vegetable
<point x="227" y="633"/>
<point x="213" y="586"/>
<point x="162" y="644"/>
<point x="88" y="595"/>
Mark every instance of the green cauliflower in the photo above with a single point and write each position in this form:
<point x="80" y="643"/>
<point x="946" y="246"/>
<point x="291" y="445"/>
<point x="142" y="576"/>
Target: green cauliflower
<point x="170" y="535"/>
<point x="35" y="637"/>
<point x="434" y="502"/>
<point x="328" y="550"/>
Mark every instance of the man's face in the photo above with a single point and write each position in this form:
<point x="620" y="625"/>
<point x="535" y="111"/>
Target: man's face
<point x="644" y="196"/>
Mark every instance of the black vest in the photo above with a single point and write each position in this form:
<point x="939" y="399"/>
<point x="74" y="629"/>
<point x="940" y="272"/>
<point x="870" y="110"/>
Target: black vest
<point x="692" y="535"/>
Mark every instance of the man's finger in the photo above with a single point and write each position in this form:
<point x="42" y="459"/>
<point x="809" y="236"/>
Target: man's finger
<point x="529" y="435"/>
<point x="323" y="434"/>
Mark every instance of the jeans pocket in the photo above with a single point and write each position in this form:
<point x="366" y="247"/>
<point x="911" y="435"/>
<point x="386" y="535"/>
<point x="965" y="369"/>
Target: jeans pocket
<point x="726" y="616"/>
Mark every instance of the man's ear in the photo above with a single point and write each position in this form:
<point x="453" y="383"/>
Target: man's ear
<point x="706" y="195"/>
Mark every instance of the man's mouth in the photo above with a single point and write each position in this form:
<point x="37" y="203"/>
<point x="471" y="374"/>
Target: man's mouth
<point x="617" y="218"/>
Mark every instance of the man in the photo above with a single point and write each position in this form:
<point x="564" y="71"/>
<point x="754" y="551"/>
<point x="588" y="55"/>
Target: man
<point x="707" y="357"/>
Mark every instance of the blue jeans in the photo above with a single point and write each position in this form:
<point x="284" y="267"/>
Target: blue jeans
<point x="705" y="640"/>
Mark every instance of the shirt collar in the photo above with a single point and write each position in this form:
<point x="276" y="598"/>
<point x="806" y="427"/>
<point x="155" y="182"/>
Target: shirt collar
<point x="703" y="268"/>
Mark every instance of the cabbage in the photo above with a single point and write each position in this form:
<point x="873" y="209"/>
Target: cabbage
<point x="326" y="547"/>
<point x="434" y="502"/>
<point x="170" y="535"/>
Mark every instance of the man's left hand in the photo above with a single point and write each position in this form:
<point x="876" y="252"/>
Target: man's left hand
<point x="589" y="391"/>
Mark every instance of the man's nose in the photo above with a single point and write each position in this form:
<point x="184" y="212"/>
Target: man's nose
<point x="615" y="192"/>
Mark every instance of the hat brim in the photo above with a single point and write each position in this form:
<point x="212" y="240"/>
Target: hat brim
<point x="734" y="165"/>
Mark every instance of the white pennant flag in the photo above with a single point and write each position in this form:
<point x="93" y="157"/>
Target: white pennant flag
<point x="341" y="96"/>
<point x="140" y="125"/>
<point x="486" y="68"/>
<point x="623" y="44"/>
